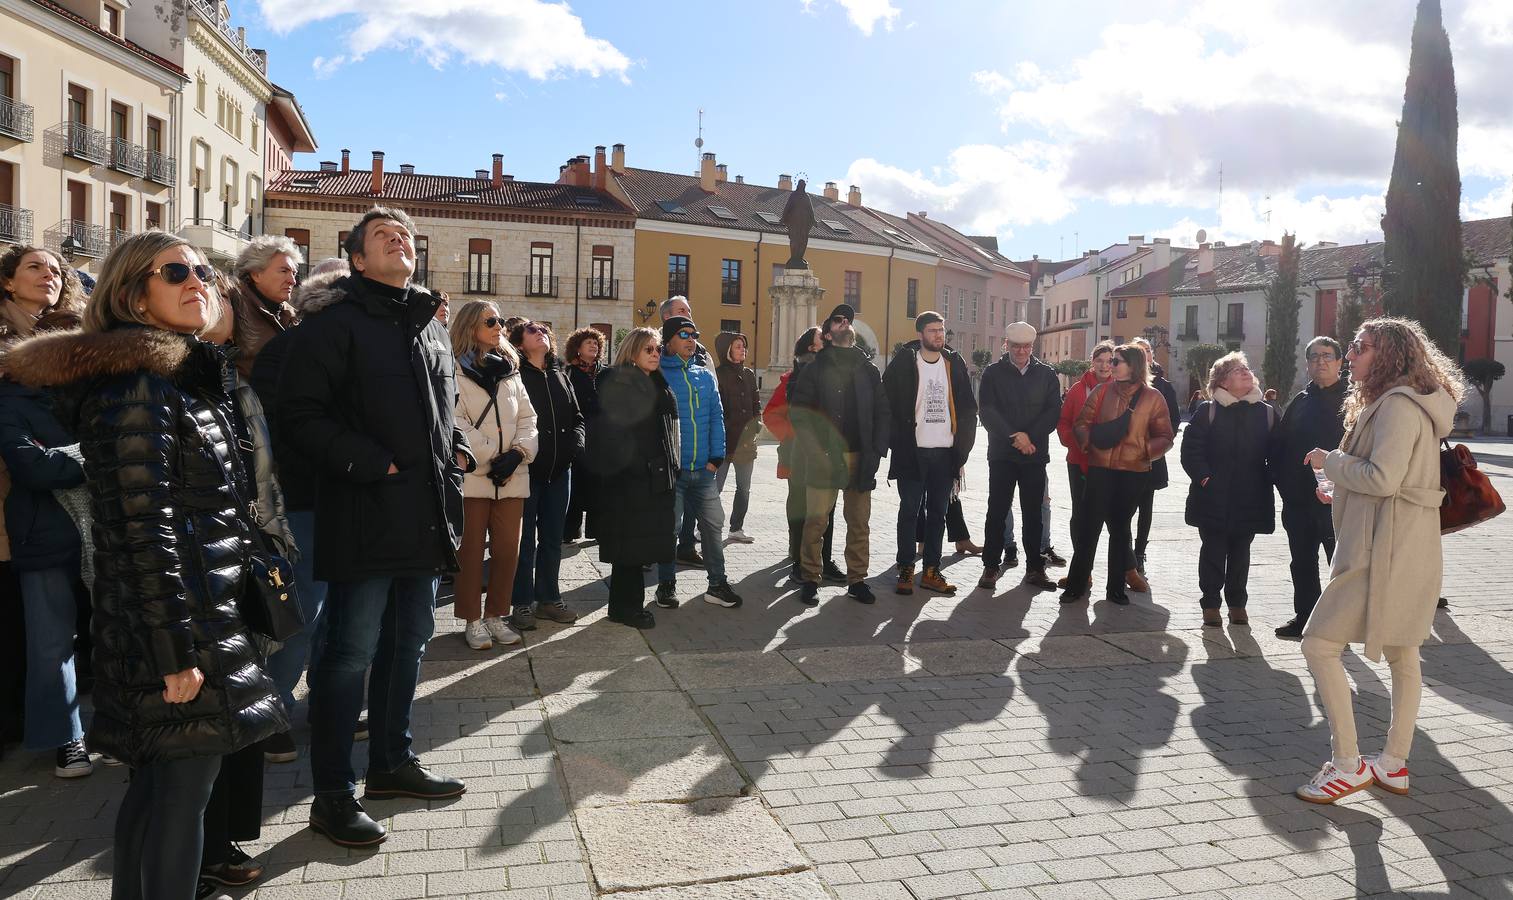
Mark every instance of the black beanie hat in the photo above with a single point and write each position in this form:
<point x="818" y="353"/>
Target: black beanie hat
<point x="673" y="325"/>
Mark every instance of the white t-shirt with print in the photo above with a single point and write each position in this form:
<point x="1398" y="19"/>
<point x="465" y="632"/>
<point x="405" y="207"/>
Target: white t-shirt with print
<point x="932" y="413"/>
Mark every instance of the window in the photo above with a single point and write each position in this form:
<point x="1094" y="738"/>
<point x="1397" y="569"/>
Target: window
<point x="120" y="122"/>
<point x="301" y="239"/>
<point x="153" y="213"/>
<point x="1123" y="308"/>
<point x="422" y="258"/>
<point x="1131" y="274"/>
<point x="853" y="289"/>
<point x="113" y="20"/>
<point x="769" y="218"/>
<point x="1190" y="324"/>
<point x="1079" y="309"/>
<point x="199" y="91"/>
<point x="961" y="304"/>
<point x="672" y="208"/>
<point x="1105" y="311"/>
<point x="154" y="135"/>
<point x="78" y="201"/>
<point x="992" y="311"/>
<point x="945" y="302"/>
<point x="777" y="269"/>
<point x="480" y="266"/>
<point x="601" y="277"/>
<point x="341" y="244"/>
<point x="1021" y="309"/>
<point x="540" y="283"/>
<point x="1048" y="318"/>
<point x="1150" y="307"/>
<point x="253" y="141"/>
<point x="730" y="281"/>
<point x="912" y="298"/>
<point x="836" y="226"/>
<point x="78" y="104"/>
<point x="677" y="274"/>
<point x="7" y="78"/>
<point x="120" y="212"/>
<point x="1235" y="325"/>
<point x="730" y="326"/>
<point x="721" y="212"/>
<point x="976" y="296"/>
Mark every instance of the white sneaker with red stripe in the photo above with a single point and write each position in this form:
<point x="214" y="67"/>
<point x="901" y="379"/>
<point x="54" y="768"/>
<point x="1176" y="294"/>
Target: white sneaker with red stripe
<point x="1396" y="782"/>
<point x="1331" y="783"/>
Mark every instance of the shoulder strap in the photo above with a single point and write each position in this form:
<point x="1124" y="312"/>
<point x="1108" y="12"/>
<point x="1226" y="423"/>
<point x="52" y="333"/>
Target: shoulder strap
<point x="487" y="406"/>
<point x="241" y="448"/>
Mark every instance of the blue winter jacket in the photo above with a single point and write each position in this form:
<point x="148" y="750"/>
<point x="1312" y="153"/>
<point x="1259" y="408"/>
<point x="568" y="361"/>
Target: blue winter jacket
<point x="701" y="420"/>
<point x="42" y="534"/>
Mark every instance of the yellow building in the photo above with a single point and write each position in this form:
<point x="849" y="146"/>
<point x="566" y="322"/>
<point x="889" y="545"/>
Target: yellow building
<point x="87" y="118"/>
<point x="718" y="242"/>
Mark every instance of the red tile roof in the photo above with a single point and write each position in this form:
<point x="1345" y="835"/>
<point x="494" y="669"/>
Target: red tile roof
<point x="401" y="188"/>
<point x="94" y="27"/>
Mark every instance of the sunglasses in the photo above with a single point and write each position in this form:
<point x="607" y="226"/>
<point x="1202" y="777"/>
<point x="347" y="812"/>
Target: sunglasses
<point x="493" y="322"/>
<point x="535" y="329"/>
<point x="688" y="335"/>
<point x="1359" y="347"/>
<point x="653" y="349"/>
<point x="178" y="273"/>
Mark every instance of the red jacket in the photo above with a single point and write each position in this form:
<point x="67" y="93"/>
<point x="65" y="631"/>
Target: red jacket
<point x="1070" y="407"/>
<point x="775" y="417"/>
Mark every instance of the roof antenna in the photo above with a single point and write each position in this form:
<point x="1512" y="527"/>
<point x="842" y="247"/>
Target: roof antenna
<point x="698" y="143"/>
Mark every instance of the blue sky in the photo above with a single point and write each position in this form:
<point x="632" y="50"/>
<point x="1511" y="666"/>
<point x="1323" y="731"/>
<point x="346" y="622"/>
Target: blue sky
<point x="1066" y="126"/>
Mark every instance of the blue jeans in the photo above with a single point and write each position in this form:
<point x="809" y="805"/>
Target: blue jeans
<point x="696" y="490"/>
<point x="541" y="526"/>
<point x="929" y="487"/>
<point x="742" y="500"/>
<point x="285" y="666"/>
<point x="52" y="692"/>
<point x="384" y="622"/>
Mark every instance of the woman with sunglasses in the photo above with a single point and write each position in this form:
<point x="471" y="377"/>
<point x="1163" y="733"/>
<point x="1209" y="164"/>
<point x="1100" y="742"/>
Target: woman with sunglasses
<point x="496" y="416"/>
<point x="633" y="454"/>
<point x="559" y="435"/>
<point x="1385" y="576"/>
<point x="179" y="683"/>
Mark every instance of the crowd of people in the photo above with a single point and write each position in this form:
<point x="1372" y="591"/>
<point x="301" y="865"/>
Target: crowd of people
<point x="171" y="431"/>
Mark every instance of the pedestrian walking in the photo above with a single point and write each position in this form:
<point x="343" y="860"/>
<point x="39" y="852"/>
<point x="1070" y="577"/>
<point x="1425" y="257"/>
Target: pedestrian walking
<point x="1314" y="418"/>
<point x="378" y="424"/>
<point x="584" y="350"/>
<point x="1225" y="454"/>
<point x="495" y="415"/>
<point x="933" y="416"/>
<point x="1100" y="371"/>
<point x="1159" y="478"/>
<point x="741" y="404"/>
<point x="559" y="437"/>
<point x="841" y="422"/>
<point x="776" y="416"/>
<point x="633" y="453"/>
<point x="1122" y="427"/>
<point x="1385" y="579"/>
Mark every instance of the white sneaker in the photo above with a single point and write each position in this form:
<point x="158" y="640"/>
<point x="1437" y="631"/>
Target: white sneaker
<point x="1331" y="784"/>
<point x="500" y="632"/>
<point x="478" y="636"/>
<point x="1396" y="782"/>
<point x="740" y="537"/>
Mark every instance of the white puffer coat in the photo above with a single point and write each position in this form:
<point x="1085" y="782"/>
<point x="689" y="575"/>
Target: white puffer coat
<point x="494" y="428"/>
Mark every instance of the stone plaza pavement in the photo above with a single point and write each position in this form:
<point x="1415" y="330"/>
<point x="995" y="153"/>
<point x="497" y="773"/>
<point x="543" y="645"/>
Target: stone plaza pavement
<point x="978" y="746"/>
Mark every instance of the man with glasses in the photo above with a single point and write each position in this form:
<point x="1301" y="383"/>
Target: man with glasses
<point x="1314" y="418"/>
<point x="688" y="552"/>
<point x="701" y="431"/>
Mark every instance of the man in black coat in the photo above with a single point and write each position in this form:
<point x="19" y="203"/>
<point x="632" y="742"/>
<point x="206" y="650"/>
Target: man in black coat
<point x="367" y="394"/>
<point x="840" y="421"/>
<point x="1314" y="418"/>
<point x="934" y="418"/>
<point x="1020" y="402"/>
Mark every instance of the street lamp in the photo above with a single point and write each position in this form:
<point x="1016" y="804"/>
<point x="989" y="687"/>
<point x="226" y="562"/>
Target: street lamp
<point x="646" y="313"/>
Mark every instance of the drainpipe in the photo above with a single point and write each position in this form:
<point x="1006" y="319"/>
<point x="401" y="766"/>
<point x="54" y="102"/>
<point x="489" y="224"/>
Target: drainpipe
<point x="577" y="267"/>
<point x="886" y="350"/>
<point x="756" y="309"/>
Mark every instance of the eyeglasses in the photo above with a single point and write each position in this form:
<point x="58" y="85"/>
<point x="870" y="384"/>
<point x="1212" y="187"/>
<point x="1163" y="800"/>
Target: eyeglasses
<point x="1322" y="357"/>
<point x="535" y="329"/>
<point x="1359" y="347"/>
<point x="653" y="348"/>
<point x="178" y="273"/>
<point x="493" y="321"/>
<point x="688" y="335"/>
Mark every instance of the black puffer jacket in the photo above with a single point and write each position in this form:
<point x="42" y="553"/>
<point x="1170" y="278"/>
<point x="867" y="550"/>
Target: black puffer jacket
<point x="633" y="455"/>
<point x="154" y="418"/>
<point x="836" y="407"/>
<point x="42" y="534"/>
<point x="1230" y="445"/>
<point x="559" y="420"/>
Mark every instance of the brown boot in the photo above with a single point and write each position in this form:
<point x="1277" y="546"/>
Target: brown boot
<point x="1065" y="581"/>
<point x="1212" y="619"/>
<point x="905" y="580"/>
<point x="1136" y="581"/>
<point x="967" y="548"/>
<point x="1238" y="615"/>
<point x="932" y="581"/>
<point x="989" y="579"/>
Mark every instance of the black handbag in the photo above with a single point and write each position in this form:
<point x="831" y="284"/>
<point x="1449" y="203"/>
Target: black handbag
<point x="1107" y="435"/>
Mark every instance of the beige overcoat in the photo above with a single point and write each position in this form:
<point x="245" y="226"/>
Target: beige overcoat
<point x="1385" y="579"/>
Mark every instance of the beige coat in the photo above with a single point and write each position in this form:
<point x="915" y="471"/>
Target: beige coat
<point x="1387" y="560"/>
<point x="511" y="423"/>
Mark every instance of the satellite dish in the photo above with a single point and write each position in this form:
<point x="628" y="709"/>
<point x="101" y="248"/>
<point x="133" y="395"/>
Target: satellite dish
<point x="698" y="143"/>
<point x="1202" y="235"/>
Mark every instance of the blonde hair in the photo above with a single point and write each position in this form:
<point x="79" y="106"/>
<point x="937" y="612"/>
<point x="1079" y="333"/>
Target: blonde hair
<point x="634" y="343"/>
<point x="463" y="328"/>
<point x="1223" y="367"/>
<point x="1405" y="357"/>
<point x="122" y="283"/>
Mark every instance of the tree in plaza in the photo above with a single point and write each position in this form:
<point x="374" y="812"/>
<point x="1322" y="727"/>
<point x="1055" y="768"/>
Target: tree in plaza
<point x="1425" y="269"/>
<point x="1280" y="368"/>
<point x="1351" y="311"/>
<point x="1071" y="368"/>
<point x="1200" y="358"/>
<point x="981" y="358"/>
<point x="1482" y="372"/>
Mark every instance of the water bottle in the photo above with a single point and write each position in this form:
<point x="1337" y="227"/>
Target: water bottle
<point x="1326" y="487"/>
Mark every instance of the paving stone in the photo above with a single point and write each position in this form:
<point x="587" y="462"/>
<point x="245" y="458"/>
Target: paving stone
<point x="601" y="773"/>
<point x="483" y="677"/>
<point x="1069" y="651"/>
<point x="599" y="674"/>
<point x="795" y="886"/>
<point x="734" y="668"/>
<point x="960" y="657"/>
<point x="825" y="664"/>
<point x="576" y="718"/>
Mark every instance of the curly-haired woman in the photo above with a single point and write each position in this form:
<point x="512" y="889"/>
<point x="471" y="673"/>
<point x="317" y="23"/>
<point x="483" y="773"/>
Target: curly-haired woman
<point x="1387" y="564"/>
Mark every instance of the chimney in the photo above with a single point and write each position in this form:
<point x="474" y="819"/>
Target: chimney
<point x="831" y="191"/>
<point x="707" y="179"/>
<point x="600" y="175"/>
<point x="785" y="183"/>
<point x="378" y="172"/>
<point x="854" y="196"/>
<point x="479" y="174"/>
<point x="1218" y="244"/>
<point x="721" y="173"/>
<point x="617" y="159"/>
<point x="1137" y="240"/>
<point x="1205" y="258"/>
<point x="740" y="179"/>
<point x="506" y="177"/>
<point x="1270" y="248"/>
<point x="924" y="214"/>
<point x="406" y="169"/>
<point x="346" y="161"/>
<point x="328" y="167"/>
<point x="498" y="169"/>
<point x="1161" y="253"/>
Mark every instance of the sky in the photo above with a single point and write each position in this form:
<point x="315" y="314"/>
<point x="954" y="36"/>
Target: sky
<point x="1056" y="127"/>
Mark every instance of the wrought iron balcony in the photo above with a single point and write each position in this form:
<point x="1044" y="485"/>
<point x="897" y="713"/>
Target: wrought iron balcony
<point x="74" y="238"/>
<point x="128" y="157"/>
<point x="602" y="288"/>
<point x="16" y="119"/>
<point x="1187" y="334"/>
<point x="478" y="283"/>
<point x="15" y="225"/>
<point x="541" y="285"/>
<point x="1233" y="333"/>
<point x="160" y="167"/>
<point x="117" y="235"/>
<point x="88" y="144"/>
<point x="211" y="11"/>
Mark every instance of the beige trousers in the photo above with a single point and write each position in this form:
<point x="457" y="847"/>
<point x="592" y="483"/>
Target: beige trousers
<point x="857" y="508"/>
<point x="1334" y="690"/>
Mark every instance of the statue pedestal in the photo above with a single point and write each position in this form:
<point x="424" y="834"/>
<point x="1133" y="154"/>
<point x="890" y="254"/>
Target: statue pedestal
<point x="795" y="295"/>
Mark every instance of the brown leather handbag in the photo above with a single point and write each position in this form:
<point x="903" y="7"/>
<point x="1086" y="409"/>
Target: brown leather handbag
<point x="1470" y="497"/>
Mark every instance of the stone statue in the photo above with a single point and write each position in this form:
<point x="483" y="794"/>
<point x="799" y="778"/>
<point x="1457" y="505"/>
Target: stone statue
<point x="798" y="215"/>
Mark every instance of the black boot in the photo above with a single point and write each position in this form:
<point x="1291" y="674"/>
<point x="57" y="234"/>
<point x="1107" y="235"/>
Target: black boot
<point x="343" y="820"/>
<point x="413" y="780"/>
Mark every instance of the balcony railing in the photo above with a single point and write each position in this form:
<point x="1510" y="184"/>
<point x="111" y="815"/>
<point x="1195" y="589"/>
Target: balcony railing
<point x="1187" y="334"/>
<point x="89" y="144"/>
<point x="75" y="238"/>
<point x="219" y="226"/>
<point x="15" y="225"/>
<point x="478" y="283"/>
<point x="211" y="10"/>
<point x="1232" y="333"/>
<point x="16" y="119"/>
<point x="602" y="288"/>
<point x="541" y="285"/>
<point x="128" y="157"/>
<point x="160" y="167"/>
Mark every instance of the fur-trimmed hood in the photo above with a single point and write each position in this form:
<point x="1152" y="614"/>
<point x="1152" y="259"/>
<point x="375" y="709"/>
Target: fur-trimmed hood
<point x="326" y="290"/>
<point x="61" y="358"/>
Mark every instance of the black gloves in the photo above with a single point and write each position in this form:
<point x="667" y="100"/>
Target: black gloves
<point x="504" y="466"/>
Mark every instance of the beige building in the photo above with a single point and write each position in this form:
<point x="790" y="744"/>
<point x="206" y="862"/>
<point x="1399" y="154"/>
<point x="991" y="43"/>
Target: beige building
<point x="559" y="253"/>
<point x="88" y="118"/>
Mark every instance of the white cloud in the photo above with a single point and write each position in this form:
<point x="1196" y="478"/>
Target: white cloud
<point x="537" y="38"/>
<point x="864" y="14"/>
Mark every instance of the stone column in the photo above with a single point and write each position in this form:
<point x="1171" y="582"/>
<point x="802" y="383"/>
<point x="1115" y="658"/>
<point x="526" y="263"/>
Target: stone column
<point x="795" y="295"/>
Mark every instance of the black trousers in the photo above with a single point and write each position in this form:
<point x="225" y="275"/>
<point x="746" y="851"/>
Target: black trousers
<point x="1144" y="513"/>
<point x="581" y="505"/>
<point x="235" y="810"/>
<point x="1109" y="501"/>
<point x="1223" y="565"/>
<point x="12" y="656"/>
<point x="627" y="590"/>
<point x="1003" y="478"/>
<point x="1309" y="527"/>
<point x="795" y="510"/>
<point x="160" y="830"/>
<point x="1077" y="487"/>
<point x="922" y="502"/>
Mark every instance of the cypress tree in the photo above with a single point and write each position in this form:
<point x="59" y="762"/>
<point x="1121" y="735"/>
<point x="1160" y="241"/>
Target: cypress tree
<point x="1280" y="368"/>
<point x="1425" y="269"/>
